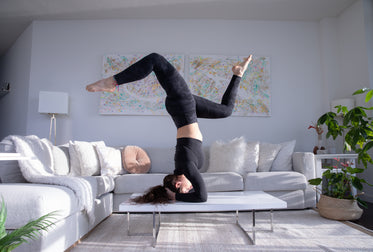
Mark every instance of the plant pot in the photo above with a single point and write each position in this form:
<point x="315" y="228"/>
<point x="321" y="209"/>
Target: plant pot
<point x="338" y="209"/>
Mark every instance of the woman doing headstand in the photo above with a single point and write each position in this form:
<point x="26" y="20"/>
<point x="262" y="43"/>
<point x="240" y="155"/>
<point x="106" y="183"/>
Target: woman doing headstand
<point x="186" y="184"/>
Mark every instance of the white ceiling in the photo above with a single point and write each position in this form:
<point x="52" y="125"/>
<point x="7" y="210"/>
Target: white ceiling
<point x="16" y="15"/>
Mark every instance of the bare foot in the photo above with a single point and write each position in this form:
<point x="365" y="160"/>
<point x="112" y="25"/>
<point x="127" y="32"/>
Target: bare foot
<point x="104" y="85"/>
<point x="240" y="69"/>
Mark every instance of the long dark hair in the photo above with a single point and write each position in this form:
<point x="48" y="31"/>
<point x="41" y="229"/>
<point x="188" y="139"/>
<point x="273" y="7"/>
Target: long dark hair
<point x="157" y="194"/>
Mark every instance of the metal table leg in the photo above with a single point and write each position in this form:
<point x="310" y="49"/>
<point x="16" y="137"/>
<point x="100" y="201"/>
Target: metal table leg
<point x="156" y="227"/>
<point x="253" y="238"/>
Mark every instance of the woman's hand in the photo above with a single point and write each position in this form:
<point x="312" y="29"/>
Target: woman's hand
<point x="170" y="194"/>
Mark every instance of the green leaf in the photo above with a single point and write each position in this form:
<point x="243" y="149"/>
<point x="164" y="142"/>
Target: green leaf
<point x="3" y="215"/>
<point x="360" y="91"/>
<point x="369" y="96"/>
<point x="362" y="203"/>
<point x="316" y="181"/>
<point x="357" y="183"/>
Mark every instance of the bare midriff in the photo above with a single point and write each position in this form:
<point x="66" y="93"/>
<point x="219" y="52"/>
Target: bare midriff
<point x="189" y="131"/>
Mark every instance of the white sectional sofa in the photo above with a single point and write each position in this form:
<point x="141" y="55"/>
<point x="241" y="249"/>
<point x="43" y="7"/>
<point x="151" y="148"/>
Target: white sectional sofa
<point x="232" y="166"/>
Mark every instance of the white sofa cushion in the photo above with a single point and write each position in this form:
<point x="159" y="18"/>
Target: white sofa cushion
<point x="252" y="157"/>
<point x="267" y="154"/>
<point x="83" y="158"/>
<point x="100" y="184"/>
<point x="161" y="159"/>
<point x="26" y="202"/>
<point x="110" y="160"/>
<point x="223" y="181"/>
<point x="284" y="161"/>
<point x="275" y="181"/>
<point x="137" y="183"/>
<point x="228" y="156"/>
<point x="61" y="160"/>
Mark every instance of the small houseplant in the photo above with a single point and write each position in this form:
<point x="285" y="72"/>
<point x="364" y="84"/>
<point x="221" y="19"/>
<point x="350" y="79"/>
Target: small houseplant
<point x="30" y="231"/>
<point x="357" y="129"/>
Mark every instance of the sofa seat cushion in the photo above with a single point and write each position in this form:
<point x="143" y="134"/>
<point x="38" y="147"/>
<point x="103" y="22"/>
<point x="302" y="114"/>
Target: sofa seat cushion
<point x="101" y="184"/>
<point x="137" y="183"/>
<point x="275" y="181"/>
<point x="223" y="181"/>
<point x="26" y="202"/>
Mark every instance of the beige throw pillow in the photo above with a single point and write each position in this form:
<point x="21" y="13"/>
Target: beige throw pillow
<point x="135" y="160"/>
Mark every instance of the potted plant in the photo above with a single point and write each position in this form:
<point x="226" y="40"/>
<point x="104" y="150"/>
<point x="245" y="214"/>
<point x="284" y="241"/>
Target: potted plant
<point x="30" y="231"/>
<point x="338" y="182"/>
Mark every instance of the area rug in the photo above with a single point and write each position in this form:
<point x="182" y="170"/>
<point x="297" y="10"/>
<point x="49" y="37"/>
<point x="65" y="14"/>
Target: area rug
<point x="302" y="230"/>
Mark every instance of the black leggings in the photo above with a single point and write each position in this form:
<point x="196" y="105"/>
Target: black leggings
<point x="184" y="109"/>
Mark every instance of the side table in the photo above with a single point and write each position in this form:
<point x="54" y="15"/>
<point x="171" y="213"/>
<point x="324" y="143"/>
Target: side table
<point x="319" y="158"/>
<point x="5" y="156"/>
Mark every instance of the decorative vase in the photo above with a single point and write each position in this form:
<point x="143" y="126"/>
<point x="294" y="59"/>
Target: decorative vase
<point x="338" y="209"/>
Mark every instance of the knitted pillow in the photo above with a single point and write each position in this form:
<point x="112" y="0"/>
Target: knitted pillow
<point x="135" y="160"/>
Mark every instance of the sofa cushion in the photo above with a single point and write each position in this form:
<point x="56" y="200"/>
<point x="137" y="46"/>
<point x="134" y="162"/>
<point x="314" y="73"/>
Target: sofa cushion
<point x="135" y="159"/>
<point x="137" y="183"/>
<point x="275" y="181"/>
<point x="162" y="159"/>
<point x="267" y="154"/>
<point x="228" y="157"/>
<point x="284" y="161"/>
<point x="100" y="184"/>
<point x="26" y="202"/>
<point x="110" y="160"/>
<point x="84" y="159"/>
<point x="223" y="181"/>
<point x="252" y="156"/>
<point x="61" y="160"/>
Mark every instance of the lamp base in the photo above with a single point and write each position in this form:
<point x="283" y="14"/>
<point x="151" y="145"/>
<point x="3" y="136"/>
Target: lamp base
<point x="53" y="125"/>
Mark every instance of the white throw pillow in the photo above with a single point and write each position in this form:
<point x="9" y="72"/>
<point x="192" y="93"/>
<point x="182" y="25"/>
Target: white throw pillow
<point x="61" y="161"/>
<point x="74" y="160"/>
<point x="283" y="161"/>
<point x="110" y="160"/>
<point x="84" y="159"/>
<point x="252" y="157"/>
<point x="267" y="154"/>
<point x="228" y="157"/>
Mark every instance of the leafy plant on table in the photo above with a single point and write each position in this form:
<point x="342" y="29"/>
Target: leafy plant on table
<point x="339" y="181"/>
<point x="30" y="231"/>
<point x="357" y="128"/>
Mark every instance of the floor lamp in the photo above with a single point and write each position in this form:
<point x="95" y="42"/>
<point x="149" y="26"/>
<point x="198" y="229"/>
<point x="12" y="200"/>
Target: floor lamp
<point x="53" y="103"/>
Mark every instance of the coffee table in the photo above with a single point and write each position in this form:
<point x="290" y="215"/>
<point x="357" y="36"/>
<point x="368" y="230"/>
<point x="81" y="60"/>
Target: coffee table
<point x="217" y="202"/>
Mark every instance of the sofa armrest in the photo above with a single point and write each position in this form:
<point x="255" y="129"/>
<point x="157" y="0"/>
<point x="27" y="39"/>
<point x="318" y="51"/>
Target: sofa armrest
<point x="304" y="162"/>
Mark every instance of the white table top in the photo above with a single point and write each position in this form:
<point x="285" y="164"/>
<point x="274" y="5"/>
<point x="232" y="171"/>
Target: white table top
<point x="340" y="155"/>
<point x="216" y="202"/>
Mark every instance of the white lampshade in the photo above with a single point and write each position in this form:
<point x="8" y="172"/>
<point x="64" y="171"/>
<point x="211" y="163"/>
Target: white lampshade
<point x="348" y="102"/>
<point x="53" y="102"/>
